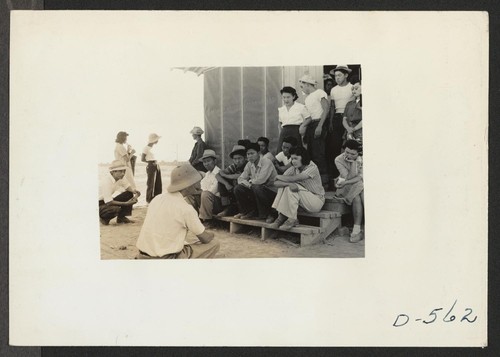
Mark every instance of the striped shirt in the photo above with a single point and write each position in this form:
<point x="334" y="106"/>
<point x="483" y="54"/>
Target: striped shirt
<point x="311" y="184"/>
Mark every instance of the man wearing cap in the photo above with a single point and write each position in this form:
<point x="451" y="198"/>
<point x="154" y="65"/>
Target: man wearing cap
<point x="170" y="221"/>
<point x="255" y="192"/>
<point x="341" y="94"/>
<point x="228" y="179"/>
<point x="210" y="202"/>
<point x="317" y="104"/>
<point x="116" y="195"/>
<point x="154" y="184"/>
<point x="198" y="149"/>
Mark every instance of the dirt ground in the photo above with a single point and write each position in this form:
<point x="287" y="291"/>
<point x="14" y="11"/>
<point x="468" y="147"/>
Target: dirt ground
<point x="118" y="242"/>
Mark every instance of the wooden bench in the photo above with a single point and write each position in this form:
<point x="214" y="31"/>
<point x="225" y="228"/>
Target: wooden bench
<point x="326" y="223"/>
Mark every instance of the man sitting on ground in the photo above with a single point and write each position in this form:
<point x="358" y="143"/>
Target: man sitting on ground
<point x="264" y="148"/>
<point x="299" y="186"/>
<point x="116" y="195"/>
<point x="282" y="161"/>
<point x="228" y="179"/>
<point x="255" y="191"/>
<point x="170" y="219"/>
<point x="350" y="184"/>
<point x="210" y="202"/>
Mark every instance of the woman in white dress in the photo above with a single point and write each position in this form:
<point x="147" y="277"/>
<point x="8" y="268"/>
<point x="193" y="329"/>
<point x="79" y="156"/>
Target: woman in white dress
<point x="291" y="116"/>
<point x="123" y="154"/>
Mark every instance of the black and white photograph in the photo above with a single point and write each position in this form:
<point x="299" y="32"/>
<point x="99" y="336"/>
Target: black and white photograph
<point x="275" y="169"/>
<point x="248" y="178"/>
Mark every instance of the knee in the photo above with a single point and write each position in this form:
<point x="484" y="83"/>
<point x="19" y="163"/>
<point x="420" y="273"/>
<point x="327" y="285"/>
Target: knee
<point x="238" y="189"/>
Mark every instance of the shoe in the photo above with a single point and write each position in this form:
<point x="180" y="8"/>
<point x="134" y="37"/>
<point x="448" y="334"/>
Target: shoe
<point x="270" y="219"/>
<point x="278" y="221"/>
<point x="104" y="221"/>
<point x="238" y="215"/>
<point x="209" y="224"/>
<point x="289" y="224"/>
<point x="124" y="220"/>
<point x="228" y="211"/>
<point x="355" y="238"/>
<point x="249" y="215"/>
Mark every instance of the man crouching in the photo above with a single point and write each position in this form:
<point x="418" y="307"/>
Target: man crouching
<point x="170" y="218"/>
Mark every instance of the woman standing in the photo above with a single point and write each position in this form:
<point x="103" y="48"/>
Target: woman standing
<point x="300" y="185"/>
<point x="291" y="116"/>
<point x="352" y="120"/>
<point x="153" y="169"/>
<point x="122" y="153"/>
<point x="198" y="149"/>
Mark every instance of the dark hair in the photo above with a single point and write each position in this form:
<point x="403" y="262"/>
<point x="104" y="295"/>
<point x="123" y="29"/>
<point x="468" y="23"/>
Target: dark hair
<point x="266" y="140"/>
<point x="290" y="90"/>
<point x="353" y="145"/>
<point x="121" y="137"/>
<point x="253" y="146"/>
<point x="291" y="140"/>
<point x="355" y="79"/>
<point x="244" y="142"/>
<point x="300" y="151"/>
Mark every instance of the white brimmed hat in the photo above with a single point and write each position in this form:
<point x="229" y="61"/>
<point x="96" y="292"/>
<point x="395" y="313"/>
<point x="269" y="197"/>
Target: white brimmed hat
<point x="182" y="177"/>
<point x="343" y="67"/>
<point x="306" y="78"/>
<point x="117" y="165"/>
<point x="208" y="153"/>
<point x="197" y="130"/>
<point x="153" y="138"/>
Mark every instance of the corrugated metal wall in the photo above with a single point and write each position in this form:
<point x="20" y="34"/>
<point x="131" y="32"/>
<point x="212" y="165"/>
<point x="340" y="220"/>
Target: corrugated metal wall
<point x="242" y="103"/>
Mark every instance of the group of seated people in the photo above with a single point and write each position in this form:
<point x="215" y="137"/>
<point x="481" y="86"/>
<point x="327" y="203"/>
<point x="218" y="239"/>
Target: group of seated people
<point x="259" y="185"/>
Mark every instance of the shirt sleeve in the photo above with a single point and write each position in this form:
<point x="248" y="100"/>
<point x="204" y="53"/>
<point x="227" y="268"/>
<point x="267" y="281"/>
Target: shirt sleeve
<point x="264" y="173"/>
<point x="192" y="221"/>
<point x="289" y="172"/>
<point x="214" y="184"/>
<point x="245" y="174"/>
<point x="106" y="191"/>
<point x="340" y="166"/>
<point x="280" y="157"/>
<point x="311" y="171"/>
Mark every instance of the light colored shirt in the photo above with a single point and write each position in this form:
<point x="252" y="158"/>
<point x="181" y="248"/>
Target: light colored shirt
<point x="313" y="103"/>
<point x="209" y="181"/>
<point x="341" y="96"/>
<point x="264" y="173"/>
<point x="121" y="153"/>
<point x="268" y="155"/>
<point x="150" y="156"/>
<point x="311" y="184"/>
<point x="293" y="116"/>
<point x="166" y="225"/>
<point x="283" y="159"/>
<point x="109" y="188"/>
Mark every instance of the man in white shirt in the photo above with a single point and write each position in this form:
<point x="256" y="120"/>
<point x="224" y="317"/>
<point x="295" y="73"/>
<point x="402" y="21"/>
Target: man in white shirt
<point x="210" y="203"/>
<point x="170" y="220"/>
<point x="317" y="105"/>
<point x="116" y="195"/>
<point x="282" y="161"/>
<point x="341" y="94"/>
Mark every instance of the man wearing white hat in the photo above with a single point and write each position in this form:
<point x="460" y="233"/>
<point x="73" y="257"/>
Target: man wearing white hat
<point x="340" y="95"/>
<point x="317" y="104"/>
<point x="210" y="202"/>
<point x="116" y="195"/>
<point x="198" y="149"/>
<point x="170" y="219"/>
<point x="154" y="184"/>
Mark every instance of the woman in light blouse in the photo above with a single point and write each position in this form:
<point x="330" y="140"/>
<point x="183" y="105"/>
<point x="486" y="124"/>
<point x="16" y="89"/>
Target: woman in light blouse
<point x="123" y="154"/>
<point x="291" y="116"/>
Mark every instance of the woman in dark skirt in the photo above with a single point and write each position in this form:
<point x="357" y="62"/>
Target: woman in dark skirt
<point x="198" y="149"/>
<point x="291" y="116"/>
<point x="153" y="169"/>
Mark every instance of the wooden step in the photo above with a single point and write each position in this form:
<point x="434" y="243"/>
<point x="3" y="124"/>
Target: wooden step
<point x="300" y="229"/>
<point x="320" y="214"/>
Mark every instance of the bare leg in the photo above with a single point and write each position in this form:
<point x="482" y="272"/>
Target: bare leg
<point x="357" y="210"/>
